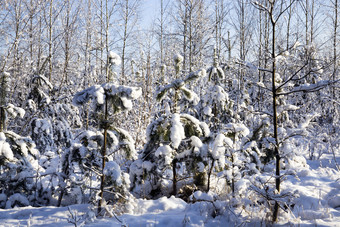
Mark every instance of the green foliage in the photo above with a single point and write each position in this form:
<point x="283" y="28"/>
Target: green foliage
<point x="179" y="85"/>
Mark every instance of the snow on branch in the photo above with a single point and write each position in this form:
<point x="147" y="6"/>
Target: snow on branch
<point x="84" y="96"/>
<point x="260" y="6"/>
<point x="253" y="67"/>
<point x="126" y="142"/>
<point x="41" y="78"/>
<point x="179" y="84"/>
<point x="309" y="87"/>
<point x="14" y="111"/>
<point x="120" y="96"/>
<point x="5" y="149"/>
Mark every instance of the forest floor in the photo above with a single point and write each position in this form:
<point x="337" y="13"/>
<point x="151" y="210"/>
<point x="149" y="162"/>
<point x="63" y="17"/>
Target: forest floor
<point x="317" y="183"/>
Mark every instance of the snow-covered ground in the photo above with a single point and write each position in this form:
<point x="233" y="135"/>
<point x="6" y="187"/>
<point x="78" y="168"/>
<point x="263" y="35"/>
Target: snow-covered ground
<point x="317" y="203"/>
<point x="162" y="212"/>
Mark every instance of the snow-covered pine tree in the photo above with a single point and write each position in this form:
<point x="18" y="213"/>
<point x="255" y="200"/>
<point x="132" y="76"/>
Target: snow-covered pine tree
<point x="233" y="153"/>
<point x="83" y="165"/>
<point x="174" y="147"/>
<point x="50" y="118"/>
<point x="100" y="152"/>
<point x="215" y="107"/>
<point x="18" y="158"/>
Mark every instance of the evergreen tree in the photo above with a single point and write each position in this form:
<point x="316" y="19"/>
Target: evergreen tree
<point x="110" y="140"/>
<point x="18" y="157"/>
<point x="174" y="147"/>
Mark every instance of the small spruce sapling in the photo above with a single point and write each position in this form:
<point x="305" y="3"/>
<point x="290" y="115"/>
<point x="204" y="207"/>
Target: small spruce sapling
<point x="215" y="108"/>
<point x="119" y="98"/>
<point x="215" y="104"/>
<point x="51" y="119"/>
<point x="174" y="144"/>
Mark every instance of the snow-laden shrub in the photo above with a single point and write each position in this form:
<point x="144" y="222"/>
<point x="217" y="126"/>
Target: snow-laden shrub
<point x="234" y="156"/>
<point x="174" y="141"/>
<point x="19" y="166"/>
<point x="82" y="165"/>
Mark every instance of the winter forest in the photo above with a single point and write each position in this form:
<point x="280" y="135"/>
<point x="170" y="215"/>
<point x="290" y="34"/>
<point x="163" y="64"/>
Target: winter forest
<point x="196" y="113"/>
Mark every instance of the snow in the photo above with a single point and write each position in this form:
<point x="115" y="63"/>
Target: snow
<point x="112" y="169"/>
<point x="164" y="211"/>
<point x="147" y="165"/>
<point x="196" y="142"/>
<point x="238" y="128"/>
<point x="198" y="195"/>
<point x="177" y="131"/>
<point x="123" y="91"/>
<point x="31" y="105"/>
<point x="6" y="74"/>
<point x="5" y="149"/>
<point x="308" y="118"/>
<point x="98" y="94"/>
<point x="42" y="125"/>
<point x="201" y="167"/>
<point x="218" y="149"/>
<point x="202" y="126"/>
<point x="114" y="58"/>
<point x="128" y="140"/>
<point x="127" y="103"/>
<point x="178" y="58"/>
<point x="205" y="127"/>
<point x="220" y="94"/>
<point x="190" y="95"/>
<point x="15" y="111"/>
<point x="312" y="87"/>
<point x="207" y="111"/>
<point x="165" y="151"/>
<point x="48" y="83"/>
<point x="16" y="198"/>
<point x="334" y="201"/>
<point x="23" y="147"/>
<point x="316" y="203"/>
<point x="288" y="107"/>
<point x="242" y="184"/>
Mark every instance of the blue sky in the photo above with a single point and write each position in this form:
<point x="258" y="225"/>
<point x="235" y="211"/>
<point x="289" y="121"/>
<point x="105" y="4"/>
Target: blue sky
<point x="150" y="11"/>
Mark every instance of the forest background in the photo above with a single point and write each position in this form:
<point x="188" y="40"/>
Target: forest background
<point x="183" y="93"/>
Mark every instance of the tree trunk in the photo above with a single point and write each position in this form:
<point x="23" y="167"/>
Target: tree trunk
<point x="174" y="179"/>
<point x="126" y="18"/>
<point x="50" y="41"/>
<point x="209" y="174"/>
<point x="288" y="26"/>
<point x="102" y="177"/>
<point x="274" y="93"/>
<point x="335" y="64"/>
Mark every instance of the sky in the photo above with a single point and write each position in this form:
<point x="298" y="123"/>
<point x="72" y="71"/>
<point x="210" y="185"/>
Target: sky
<point x="150" y="11"/>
